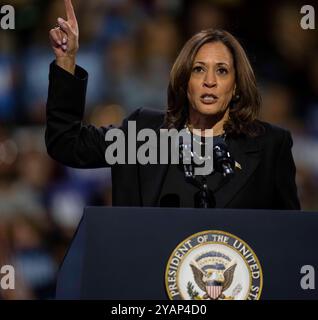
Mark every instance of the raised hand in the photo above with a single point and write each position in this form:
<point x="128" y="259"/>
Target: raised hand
<point x="64" y="39"/>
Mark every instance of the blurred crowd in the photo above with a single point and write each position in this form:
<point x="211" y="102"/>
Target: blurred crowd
<point x="128" y="48"/>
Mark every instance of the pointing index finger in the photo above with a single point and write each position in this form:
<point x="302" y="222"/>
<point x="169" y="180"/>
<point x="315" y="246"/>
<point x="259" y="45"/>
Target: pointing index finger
<point x="70" y="14"/>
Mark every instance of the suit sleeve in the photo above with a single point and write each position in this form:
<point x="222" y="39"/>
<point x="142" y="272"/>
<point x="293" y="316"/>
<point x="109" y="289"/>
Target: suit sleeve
<point x="67" y="139"/>
<point x="286" y="189"/>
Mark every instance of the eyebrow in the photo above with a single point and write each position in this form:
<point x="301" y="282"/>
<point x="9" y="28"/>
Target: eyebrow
<point x="218" y="63"/>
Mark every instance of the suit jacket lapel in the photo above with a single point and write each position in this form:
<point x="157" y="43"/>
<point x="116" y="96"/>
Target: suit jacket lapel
<point x="246" y="152"/>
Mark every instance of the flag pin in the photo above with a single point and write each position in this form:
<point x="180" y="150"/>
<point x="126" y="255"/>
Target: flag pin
<point x="237" y="165"/>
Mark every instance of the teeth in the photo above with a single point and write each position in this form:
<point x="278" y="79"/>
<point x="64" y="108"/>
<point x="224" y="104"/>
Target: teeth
<point x="208" y="99"/>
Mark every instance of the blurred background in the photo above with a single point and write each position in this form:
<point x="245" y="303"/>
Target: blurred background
<point x="128" y="48"/>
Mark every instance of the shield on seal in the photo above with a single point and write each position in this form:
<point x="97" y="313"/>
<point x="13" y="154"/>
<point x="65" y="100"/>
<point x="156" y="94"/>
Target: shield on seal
<point x="214" y="289"/>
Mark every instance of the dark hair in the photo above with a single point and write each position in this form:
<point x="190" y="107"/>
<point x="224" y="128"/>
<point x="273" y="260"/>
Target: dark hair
<point x="243" y="110"/>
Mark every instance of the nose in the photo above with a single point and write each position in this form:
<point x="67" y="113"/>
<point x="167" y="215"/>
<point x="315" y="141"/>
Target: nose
<point x="209" y="80"/>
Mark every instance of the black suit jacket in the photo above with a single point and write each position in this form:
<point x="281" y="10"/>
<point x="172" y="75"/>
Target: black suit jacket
<point x="266" y="180"/>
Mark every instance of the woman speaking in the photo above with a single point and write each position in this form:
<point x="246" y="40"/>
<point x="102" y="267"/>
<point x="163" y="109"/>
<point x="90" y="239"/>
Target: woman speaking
<point x="212" y="88"/>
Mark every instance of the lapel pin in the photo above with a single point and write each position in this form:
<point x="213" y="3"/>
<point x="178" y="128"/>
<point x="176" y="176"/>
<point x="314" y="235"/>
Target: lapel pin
<point x="237" y="165"/>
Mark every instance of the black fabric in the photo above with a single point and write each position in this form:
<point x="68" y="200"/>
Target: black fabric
<point x="179" y="192"/>
<point x="266" y="179"/>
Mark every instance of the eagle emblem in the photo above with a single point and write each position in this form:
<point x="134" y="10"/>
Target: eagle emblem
<point x="213" y="273"/>
<point x="213" y="265"/>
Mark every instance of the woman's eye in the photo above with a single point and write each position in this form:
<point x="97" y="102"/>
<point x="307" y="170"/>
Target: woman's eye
<point x="222" y="71"/>
<point x="197" y="69"/>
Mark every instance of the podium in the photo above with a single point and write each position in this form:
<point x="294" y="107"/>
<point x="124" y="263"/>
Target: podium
<point x="122" y="253"/>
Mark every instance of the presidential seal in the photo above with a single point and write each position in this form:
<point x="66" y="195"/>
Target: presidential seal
<point x="213" y="265"/>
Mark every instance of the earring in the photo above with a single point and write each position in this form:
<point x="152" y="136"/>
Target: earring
<point x="235" y="97"/>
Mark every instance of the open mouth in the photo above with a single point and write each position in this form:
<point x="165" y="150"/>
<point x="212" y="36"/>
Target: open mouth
<point x="208" y="98"/>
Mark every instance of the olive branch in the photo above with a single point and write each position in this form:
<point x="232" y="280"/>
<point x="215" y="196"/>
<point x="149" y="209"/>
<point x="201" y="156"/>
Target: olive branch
<point x="192" y="293"/>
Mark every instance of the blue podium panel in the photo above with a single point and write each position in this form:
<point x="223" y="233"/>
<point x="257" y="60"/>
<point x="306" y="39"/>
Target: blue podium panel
<point x="122" y="253"/>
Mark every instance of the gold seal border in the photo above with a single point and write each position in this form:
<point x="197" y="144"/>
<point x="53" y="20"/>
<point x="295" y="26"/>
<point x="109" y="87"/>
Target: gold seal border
<point x="212" y="242"/>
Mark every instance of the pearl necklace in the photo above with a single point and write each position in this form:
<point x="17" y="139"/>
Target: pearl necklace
<point x="188" y="126"/>
<point x="193" y="153"/>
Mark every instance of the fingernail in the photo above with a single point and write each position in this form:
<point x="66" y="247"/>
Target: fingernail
<point x="59" y="42"/>
<point x="60" y="20"/>
<point x="64" y="40"/>
<point x="64" y="47"/>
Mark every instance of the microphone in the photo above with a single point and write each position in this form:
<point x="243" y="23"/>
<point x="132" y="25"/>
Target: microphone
<point x="223" y="161"/>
